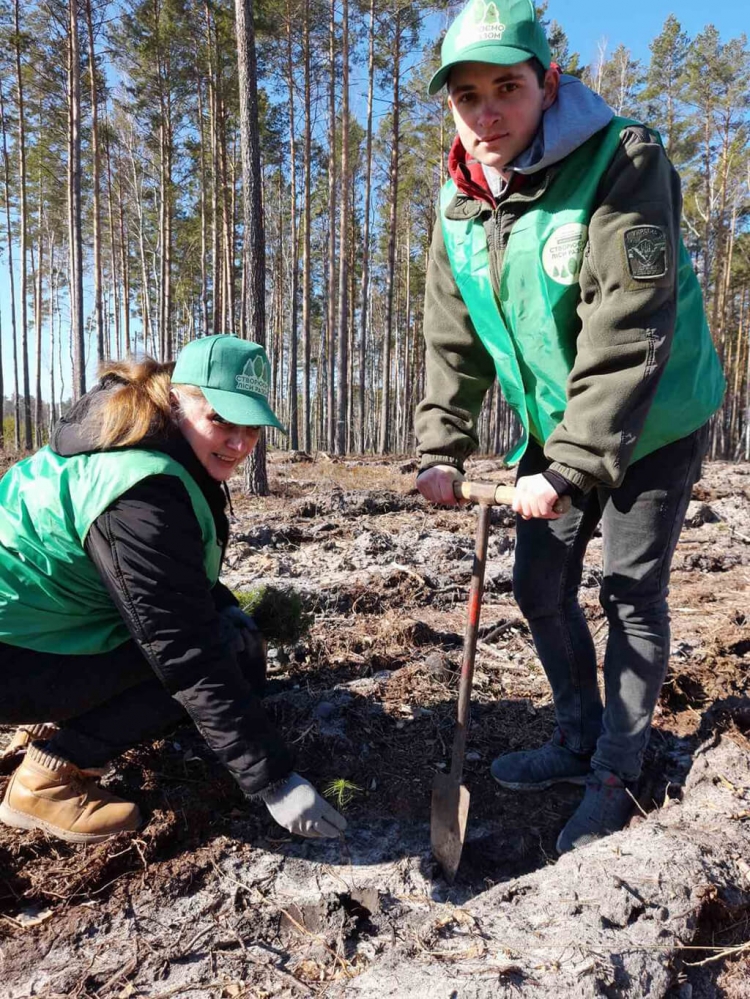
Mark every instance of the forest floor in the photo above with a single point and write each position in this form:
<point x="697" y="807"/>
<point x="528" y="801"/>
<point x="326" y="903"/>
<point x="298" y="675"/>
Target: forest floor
<point x="212" y="899"/>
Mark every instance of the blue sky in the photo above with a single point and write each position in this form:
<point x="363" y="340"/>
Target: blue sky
<point x="636" y="22"/>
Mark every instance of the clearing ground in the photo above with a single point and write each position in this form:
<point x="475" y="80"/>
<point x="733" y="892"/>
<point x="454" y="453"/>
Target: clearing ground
<point x="211" y="899"/>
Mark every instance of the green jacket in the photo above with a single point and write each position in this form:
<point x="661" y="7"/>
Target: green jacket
<point x="52" y="598"/>
<point x="621" y="328"/>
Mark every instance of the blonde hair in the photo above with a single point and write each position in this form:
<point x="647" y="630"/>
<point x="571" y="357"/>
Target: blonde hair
<point x="140" y="407"/>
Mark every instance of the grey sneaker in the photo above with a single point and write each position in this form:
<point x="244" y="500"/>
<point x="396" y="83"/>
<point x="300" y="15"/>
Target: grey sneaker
<point x="535" y="769"/>
<point x="606" y="807"/>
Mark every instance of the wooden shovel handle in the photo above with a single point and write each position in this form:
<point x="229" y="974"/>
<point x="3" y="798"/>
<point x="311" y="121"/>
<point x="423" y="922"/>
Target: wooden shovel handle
<point x="491" y="494"/>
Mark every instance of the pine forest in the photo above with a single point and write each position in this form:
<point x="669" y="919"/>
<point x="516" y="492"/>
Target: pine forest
<point x="135" y="218"/>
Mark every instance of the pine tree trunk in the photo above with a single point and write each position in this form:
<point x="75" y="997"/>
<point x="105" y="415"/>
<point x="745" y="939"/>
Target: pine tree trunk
<point x="95" y="185"/>
<point x="234" y="167"/>
<point x="216" y="266"/>
<point x="227" y="223"/>
<point x="113" y="261"/>
<point x="38" y="428"/>
<point x="384" y="436"/>
<point x="11" y="274"/>
<point x="255" y="251"/>
<point x="294" y="246"/>
<point x="166" y="152"/>
<point x="51" y="282"/>
<point x="320" y="442"/>
<point x="204" y="217"/>
<point x="331" y="311"/>
<point x="342" y="386"/>
<point x="408" y="421"/>
<point x="276" y="324"/>
<point x="307" y="262"/>
<point x="706" y="275"/>
<point x="23" y="223"/>
<point x="145" y="282"/>
<point x="74" y="201"/>
<point x="365" y="285"/>
<point x="163" y="241"/>
<point x="124" y="256"/>
<point x="351" y="440"/>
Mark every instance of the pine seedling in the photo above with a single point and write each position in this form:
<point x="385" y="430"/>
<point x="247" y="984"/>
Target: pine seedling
<point x="280" y="614"/>
<point x="341" y="792"/>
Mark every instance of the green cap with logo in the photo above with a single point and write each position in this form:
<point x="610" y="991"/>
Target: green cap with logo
<point x="233" y="374"/>
<point x="502" y="32"/>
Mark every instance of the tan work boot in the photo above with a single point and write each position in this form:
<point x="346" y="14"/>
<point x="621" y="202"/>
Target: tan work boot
<point x="24" y="735"/>
<point x="49" y="793"/>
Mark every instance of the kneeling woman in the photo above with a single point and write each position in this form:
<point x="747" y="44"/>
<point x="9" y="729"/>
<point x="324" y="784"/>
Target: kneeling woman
<point x="112" y="621"/>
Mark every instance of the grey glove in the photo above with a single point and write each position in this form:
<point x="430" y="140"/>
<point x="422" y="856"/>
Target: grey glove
<point x="298" y="807"/>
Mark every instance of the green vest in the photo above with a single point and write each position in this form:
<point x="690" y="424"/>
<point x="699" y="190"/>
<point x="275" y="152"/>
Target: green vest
<point x="531" y="331"/>
<point x="52" y="599"/>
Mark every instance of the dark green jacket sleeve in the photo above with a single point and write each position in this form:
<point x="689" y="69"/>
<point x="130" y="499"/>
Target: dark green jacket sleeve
<point x="627" y="323"/>
<point x="458" y="369"/>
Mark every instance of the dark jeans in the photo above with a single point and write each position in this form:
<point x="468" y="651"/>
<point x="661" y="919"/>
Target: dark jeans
<point x="640" y="523"/>
<point x="104" y="703"/>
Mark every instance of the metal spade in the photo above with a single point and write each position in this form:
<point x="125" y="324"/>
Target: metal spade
<point x="450" y="798"/>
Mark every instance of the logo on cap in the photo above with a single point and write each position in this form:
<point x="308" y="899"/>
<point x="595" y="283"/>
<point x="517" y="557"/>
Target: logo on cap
<point x="255" y="377"/>
<point x="481" y="23"/>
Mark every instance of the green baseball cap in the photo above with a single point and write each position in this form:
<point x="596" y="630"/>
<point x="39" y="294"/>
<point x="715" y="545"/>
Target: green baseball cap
<point x="502" y="32"/>
<point x="233" y="374"/>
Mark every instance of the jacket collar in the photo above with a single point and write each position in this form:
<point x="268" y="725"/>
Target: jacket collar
<point x="473" y="195"/>
<point x="468" y="175"/>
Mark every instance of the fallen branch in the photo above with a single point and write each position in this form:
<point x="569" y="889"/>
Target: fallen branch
<point x="180" y="989"/>
<point x="124" y="972"/>
<point x="721" y="952"/>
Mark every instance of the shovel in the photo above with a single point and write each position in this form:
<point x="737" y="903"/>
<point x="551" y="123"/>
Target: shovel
<point x="450" y="798"/>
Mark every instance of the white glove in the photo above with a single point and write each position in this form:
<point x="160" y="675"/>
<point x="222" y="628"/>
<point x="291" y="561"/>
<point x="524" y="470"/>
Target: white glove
<point x="298" y="807"/>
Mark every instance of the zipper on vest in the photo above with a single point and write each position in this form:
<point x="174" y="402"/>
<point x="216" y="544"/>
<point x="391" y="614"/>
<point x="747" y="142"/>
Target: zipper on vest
<point x="498" y="250"/>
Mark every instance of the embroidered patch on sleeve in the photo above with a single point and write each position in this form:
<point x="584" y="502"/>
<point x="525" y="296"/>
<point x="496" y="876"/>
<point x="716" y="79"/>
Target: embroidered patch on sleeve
<point x="646" y="250"/>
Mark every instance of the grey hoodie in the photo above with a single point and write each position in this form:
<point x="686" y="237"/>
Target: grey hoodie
<point x="576" y="115"/>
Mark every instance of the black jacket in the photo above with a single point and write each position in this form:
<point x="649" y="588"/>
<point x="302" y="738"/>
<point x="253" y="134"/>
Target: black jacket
<point x="147" y="546"/>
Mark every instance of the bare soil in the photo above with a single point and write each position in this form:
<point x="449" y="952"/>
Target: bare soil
<point x="212" y="899"/>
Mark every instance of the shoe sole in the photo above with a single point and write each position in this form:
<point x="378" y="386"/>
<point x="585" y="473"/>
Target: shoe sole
<point x="542" y="785"/>
<point x="18" y="820"/>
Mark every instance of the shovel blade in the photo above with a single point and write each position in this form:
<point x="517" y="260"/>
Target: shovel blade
<point x="450" y="810"/>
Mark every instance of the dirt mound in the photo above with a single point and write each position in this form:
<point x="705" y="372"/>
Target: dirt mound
<point x="356" y="504"/>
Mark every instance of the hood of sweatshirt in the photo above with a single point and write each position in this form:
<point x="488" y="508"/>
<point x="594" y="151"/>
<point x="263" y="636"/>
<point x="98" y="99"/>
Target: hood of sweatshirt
<point x="577" y="114"/>
<point x="75" y="433"/>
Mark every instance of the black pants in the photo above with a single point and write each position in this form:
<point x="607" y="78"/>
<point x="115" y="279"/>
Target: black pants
<point x="104" y="704"/>
<point x="641" y="522"/>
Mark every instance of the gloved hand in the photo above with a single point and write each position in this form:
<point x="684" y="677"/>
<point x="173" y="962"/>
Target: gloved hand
<point x="298" y="807"/>
<point x="241" y="622"/>
<point x="242" y="635"/>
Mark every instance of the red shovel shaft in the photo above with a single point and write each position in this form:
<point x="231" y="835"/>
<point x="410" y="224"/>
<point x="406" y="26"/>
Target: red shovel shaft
<point x="450" y="799"/>
<point x="470" y="641"/>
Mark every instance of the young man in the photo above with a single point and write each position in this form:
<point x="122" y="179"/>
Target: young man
<point x="557" y="267"/>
